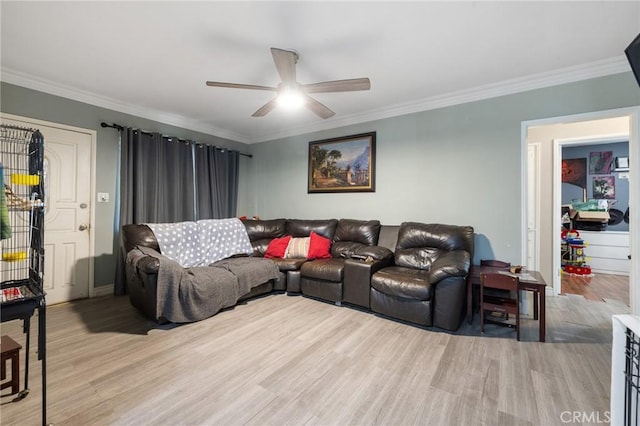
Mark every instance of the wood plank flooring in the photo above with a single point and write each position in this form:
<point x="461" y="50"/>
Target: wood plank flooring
<point x="281" y="360"/>
<point x="599" y="287"/>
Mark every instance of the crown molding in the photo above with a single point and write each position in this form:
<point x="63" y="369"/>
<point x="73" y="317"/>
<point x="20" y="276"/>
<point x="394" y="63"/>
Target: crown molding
<point x="46" y="86"/>
<point x="507" y="87"/>
<point x="531" y="82"/>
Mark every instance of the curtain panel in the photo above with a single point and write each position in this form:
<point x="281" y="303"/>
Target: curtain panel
<point x="164" y="179"/>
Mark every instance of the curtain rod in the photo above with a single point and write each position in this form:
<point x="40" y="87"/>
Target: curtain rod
<point x="119" y="128"/>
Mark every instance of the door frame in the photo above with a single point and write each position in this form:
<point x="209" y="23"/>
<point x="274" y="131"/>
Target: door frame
<point x="32" y="122"/>
<point x="633" y="113"/>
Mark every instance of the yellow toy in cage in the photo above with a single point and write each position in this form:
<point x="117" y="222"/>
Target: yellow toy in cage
<point x="14" y="256"/>
<point x="23" y="179"/>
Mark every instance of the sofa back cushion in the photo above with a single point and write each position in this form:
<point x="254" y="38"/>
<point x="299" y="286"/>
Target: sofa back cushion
<point x="420" y="244"/>
<point x="138" y="235"/>
<point x="302" y="228"/>
<point x="353" y="234"/>
<point x="261" y="232"/>
<point x="388" y="236"/>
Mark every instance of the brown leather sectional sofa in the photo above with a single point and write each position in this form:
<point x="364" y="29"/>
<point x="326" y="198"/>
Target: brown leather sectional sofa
<point x="414" y="272"/>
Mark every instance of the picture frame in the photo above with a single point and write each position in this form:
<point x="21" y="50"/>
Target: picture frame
<point x="604" y="188"/>
<point x="343" y="164"/>
<point x="600" y="162"/>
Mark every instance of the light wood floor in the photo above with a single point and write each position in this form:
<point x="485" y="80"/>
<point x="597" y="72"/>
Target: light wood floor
<point x="291" y="360"/>
<point x="600" y="287"/>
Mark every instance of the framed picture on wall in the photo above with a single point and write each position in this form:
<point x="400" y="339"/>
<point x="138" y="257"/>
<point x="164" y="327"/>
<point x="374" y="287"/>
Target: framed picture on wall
<point x="574" y="171"/>
<point x="345" y="164"/>
<point x="600" y="162"/>
<point x="604" y="187"/>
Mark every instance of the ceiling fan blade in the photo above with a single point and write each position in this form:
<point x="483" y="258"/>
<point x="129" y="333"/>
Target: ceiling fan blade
<point x="240" y="86"/>
<point x="349" y="85"/>
<point x="285" y="61"/>
<point x="318" y="108"/>
<point x="266" y="108"/>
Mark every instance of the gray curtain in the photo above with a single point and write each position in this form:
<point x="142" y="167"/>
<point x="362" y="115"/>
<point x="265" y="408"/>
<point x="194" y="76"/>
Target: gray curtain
<point x="216" y="173"/>
<point x="159" y="180"/>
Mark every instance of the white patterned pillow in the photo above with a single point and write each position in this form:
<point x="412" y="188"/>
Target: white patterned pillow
<point x="297" y="248"/>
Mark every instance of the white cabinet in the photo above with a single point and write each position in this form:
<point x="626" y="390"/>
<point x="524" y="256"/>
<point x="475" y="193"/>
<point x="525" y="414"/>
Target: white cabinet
<point x="608" y="251"/>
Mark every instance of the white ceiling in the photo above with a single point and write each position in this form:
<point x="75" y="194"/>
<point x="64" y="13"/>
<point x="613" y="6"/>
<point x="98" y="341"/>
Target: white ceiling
<point x="152" y="58"/>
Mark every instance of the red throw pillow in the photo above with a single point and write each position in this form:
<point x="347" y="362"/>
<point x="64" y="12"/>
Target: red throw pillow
<point x="319" y="247"/>
<point x="277" y="247"/>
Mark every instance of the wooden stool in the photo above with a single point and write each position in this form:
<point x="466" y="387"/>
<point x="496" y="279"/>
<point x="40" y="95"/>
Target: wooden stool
<point x="10" y="351"/>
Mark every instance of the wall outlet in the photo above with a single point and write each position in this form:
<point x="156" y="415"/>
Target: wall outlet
<point x="103" y="197"/>
<point x="623" y="176"/>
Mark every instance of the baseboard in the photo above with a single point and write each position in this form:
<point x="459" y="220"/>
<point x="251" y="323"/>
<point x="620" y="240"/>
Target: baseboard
<point x="103" y="290"/>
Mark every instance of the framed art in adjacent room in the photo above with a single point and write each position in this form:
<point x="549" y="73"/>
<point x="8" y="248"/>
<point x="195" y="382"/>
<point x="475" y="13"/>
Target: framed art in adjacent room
<point x="344" y="164"/>
<point x="604" y="187"/>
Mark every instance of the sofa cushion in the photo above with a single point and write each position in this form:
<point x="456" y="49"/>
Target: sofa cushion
<point x="303" y="228"/>
<point x="403" y="282"/>
<point x="297" y="248"/>
<point x="289" y="264"/>
<point x="264" y="229"/>
<point x="359" y="231"/>
<point x="277" y="247"/>
<point x="443" y="237"/>
<point x="319" y="247"/>
<point x="324" y="269"/>
<point x="420" y="244"/>
<point x="261" y="232"/>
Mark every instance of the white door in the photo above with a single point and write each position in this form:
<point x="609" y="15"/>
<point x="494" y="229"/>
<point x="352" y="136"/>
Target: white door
<point x="67" y="174"/>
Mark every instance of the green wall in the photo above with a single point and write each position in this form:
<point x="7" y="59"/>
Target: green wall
<point x="457" y="165"/>
<point x="33" y="104"/>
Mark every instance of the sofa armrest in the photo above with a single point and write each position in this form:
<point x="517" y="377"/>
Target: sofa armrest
<point x="356" y="286"/>
<point x="450" y="264"/>
<point x="375" y="252"/>
<point x="141" y="262"/>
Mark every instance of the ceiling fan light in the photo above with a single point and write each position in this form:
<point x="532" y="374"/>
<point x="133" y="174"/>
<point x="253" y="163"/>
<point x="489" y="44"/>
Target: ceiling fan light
<point x="290" y="99"/>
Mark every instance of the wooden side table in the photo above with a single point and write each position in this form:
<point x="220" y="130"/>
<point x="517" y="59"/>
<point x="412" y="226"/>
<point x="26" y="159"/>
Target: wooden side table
<point x="10" y="350"/>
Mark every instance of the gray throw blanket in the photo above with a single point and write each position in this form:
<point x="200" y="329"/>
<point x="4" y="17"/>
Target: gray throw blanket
<point x="203" y="242"/>
<point x="250" y="271"/>
<point x="193" y="294"/>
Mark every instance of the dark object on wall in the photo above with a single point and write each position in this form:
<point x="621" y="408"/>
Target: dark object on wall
<point x="574" y="171"/>
<point x="626" y="216"/>
<point x="615" y="216"/>
<point x="633" y="55"/>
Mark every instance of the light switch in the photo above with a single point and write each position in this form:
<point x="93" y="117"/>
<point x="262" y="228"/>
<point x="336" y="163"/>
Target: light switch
<point x="103" y="197"/>
<point x="623" y="176"/>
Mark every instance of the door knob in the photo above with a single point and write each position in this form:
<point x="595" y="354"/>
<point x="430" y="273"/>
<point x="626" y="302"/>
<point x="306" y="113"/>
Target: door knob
<point x="83" y="227"/>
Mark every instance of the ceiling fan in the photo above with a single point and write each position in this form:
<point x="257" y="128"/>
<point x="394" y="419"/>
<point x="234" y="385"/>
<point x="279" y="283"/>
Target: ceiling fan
<point x="289" y="90"/>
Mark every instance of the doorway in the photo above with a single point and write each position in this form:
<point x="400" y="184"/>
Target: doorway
<point x="589" y="175"/>
<point x="548" y="134"/>
<point x="69" y="160"/>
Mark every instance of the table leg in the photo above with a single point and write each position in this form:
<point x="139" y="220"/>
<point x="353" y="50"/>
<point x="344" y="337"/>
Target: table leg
<point x="469" y="301"/>
<point x="543" y="315"/>
<point x="15" y="372"/>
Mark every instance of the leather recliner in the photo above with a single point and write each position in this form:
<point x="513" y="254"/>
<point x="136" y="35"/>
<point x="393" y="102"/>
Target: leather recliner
<point x="426" y="285"/>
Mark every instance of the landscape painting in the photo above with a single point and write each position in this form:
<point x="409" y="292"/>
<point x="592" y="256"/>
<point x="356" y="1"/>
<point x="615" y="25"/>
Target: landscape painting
<point x="344" y="164"/>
